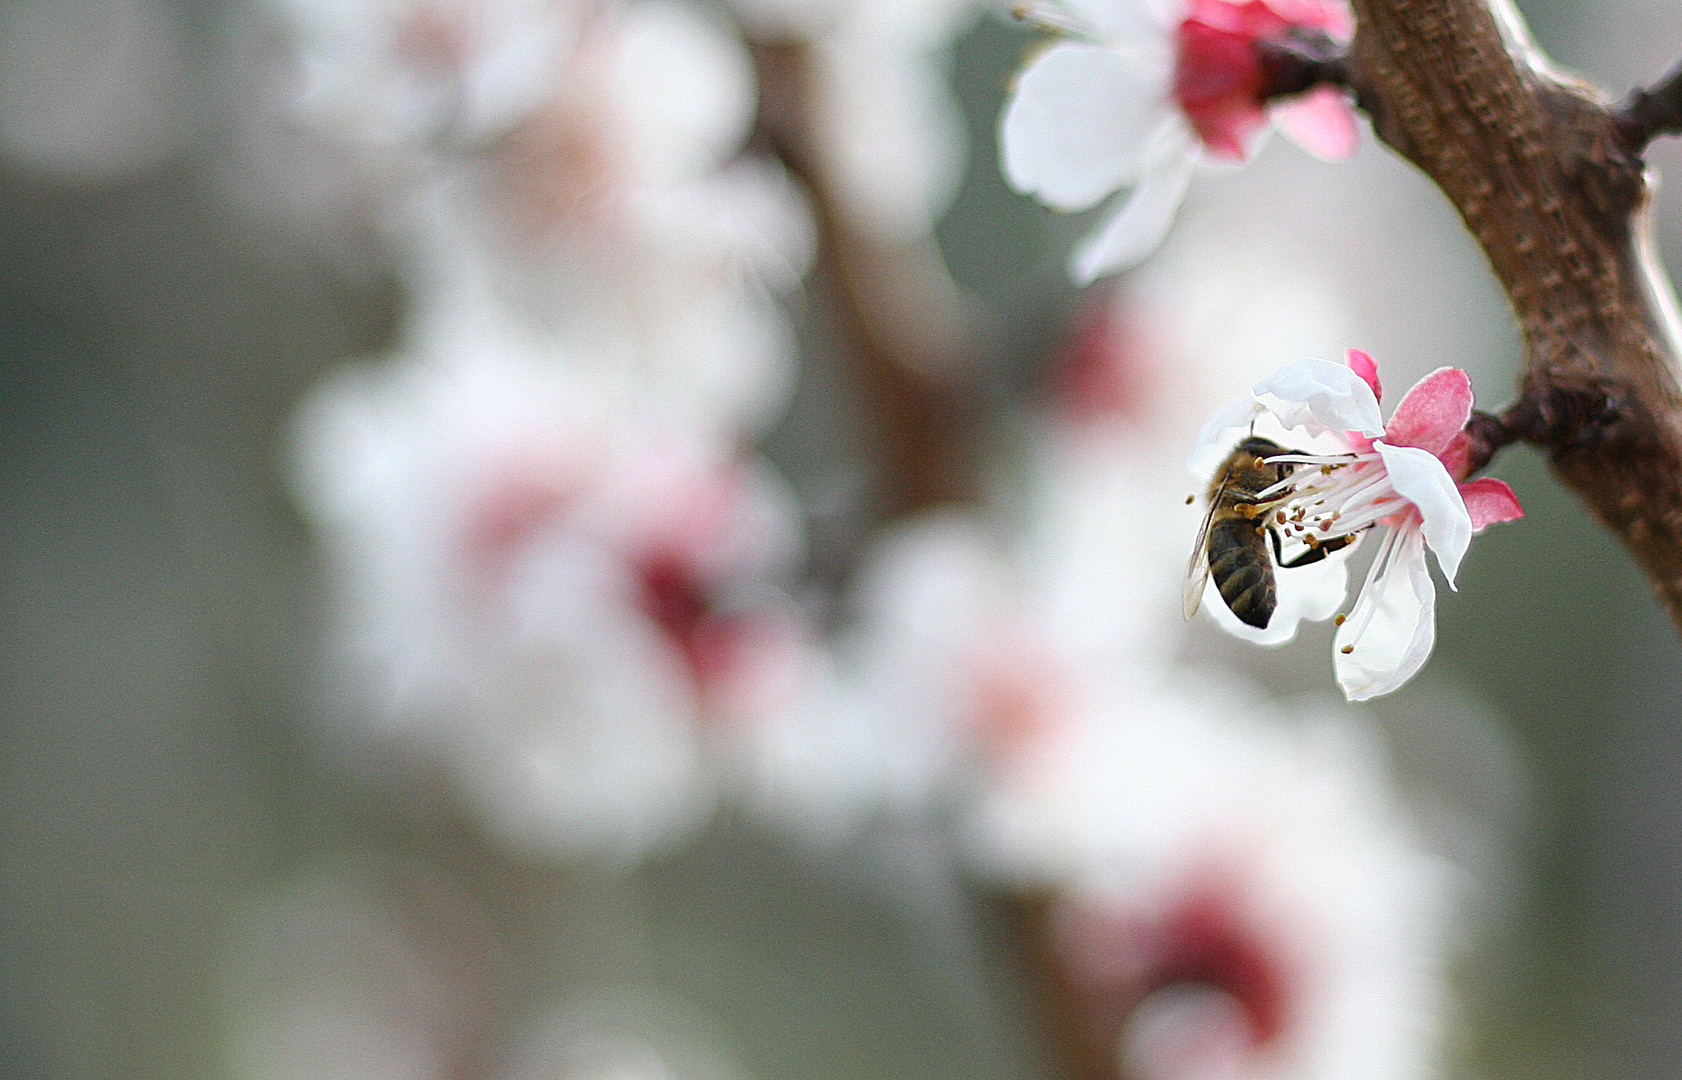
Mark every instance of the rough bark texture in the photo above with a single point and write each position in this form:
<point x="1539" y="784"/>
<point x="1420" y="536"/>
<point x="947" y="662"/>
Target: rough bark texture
<point x="1549" y="179"/>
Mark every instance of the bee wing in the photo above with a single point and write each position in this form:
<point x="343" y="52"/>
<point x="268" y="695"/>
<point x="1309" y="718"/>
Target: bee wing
<point x="1197" y="567"/>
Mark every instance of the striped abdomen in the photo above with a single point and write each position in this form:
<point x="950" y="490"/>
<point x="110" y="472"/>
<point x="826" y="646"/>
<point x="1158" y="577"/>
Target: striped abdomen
<point x="1241" y="569"/>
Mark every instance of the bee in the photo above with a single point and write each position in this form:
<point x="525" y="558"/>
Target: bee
<point x="1232" y="543"/>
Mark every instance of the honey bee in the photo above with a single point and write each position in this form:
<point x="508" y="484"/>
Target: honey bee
<point x="1232" y="543"/>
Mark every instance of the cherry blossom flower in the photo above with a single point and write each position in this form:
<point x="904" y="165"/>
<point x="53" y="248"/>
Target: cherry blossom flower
<point x="1232" y="894"/>
<point x="408" y="76"/>
<point x="1151" y="89"/>
<point x="618" y="216"/>
<point x="578" y="163"/>
<point x="556" y="595"/>
<point x="930" y="596"/>
<point x="1353" y="471"/>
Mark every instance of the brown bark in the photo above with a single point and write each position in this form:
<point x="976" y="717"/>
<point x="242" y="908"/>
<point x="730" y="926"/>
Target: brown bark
<point x="1549" y="178"/>
<point x="901" y="320"/>
<point x="1082" y="1046"/>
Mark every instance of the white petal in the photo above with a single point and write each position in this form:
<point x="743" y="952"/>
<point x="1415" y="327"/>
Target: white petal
<point x="1138" y="229"/>
<point x="1321" y="396"/>
<point x="1215" y="439"/>
<point x="1314" y="592"/>
<point x="1421" y="479"/>
<point x="1080" y="123"/>
<point x="1393" y="625"/>
<point x="1132" y="23"/>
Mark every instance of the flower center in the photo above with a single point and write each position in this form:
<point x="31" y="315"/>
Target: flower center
<point x="1330" y="496"/>
<point x="1218" y="80"/>
<point x="679" y="603"/>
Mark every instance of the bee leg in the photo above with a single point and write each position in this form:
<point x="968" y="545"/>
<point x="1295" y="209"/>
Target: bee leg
<point x="1278" y="553"/>
<point x="1316" y="553"/>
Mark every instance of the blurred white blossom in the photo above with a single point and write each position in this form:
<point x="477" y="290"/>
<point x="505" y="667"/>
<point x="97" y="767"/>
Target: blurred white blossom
<point x="619" y="1036"/>
<point x="1230" y="883"/>
<point x="397" y="77"/>
<point x="579" y="165"/>
<point x="555" y="591"/>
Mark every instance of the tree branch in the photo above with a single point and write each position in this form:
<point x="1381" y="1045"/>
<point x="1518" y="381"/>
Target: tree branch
<point x="1542" y="171"/>
<point x="1647" y="114"/>
<point x="900" y="321"/>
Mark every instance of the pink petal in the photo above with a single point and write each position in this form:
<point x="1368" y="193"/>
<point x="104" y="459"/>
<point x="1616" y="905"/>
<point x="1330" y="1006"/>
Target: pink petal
<point x="1366" y="367"/>
<point x="1457" y="456"/>
<point x="1490" y="501"/>
<point x="1253" y="19"/>
<point x="1432" y="413"/>
<point x="1218" y="84"/>
<point x="1321" y="122"/>
<point x="1325" y="15"/>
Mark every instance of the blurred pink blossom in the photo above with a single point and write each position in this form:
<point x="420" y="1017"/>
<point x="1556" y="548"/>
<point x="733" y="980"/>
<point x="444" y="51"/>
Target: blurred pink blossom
<point x="1149" y="90"/>
<point x="1235" y="893"/>
<point x="559" y="594"/>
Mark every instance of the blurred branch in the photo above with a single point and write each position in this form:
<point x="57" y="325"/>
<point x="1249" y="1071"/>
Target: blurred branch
<point x="902" y="320"/>
<point x="1549" y="179"/>
<point x="1083" y="1039"/>
<point x="906" y="336"/>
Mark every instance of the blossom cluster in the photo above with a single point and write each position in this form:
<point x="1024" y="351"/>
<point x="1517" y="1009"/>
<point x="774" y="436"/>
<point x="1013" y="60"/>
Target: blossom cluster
<point x="565" y="581"/>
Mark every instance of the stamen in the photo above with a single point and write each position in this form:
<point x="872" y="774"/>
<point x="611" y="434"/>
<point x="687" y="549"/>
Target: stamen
<point x="1373" y="514"/>
<point x="1356" y="482"/>
<point x="1379" y="564"/>
<point x="1339" y="619"/>
<point x="1347" y="649"/>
